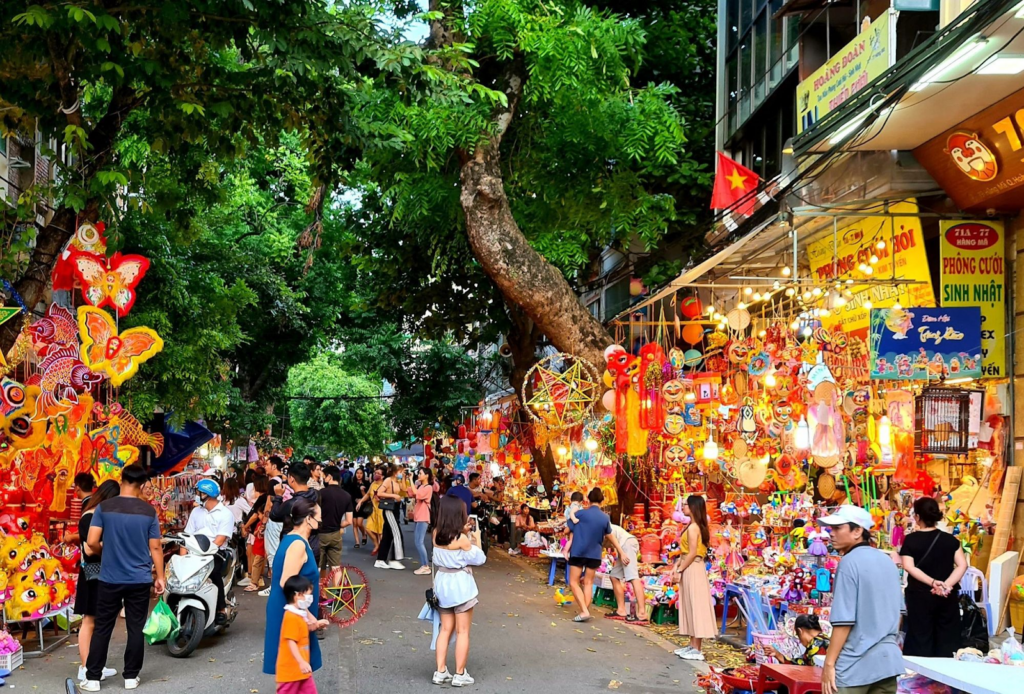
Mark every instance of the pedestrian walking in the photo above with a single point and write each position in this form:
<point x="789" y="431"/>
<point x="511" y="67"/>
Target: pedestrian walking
<point x="935" y="563"/>
<point x="455" y="589"/>
<point x="391" y="550"/>
<point x="294" y="558"/>
<point x="590" y="531"/>
<point x="627" y="570"/>
<point x="88" y="590"/>
<point x="298" y="486"/>
<point x="375" y="521"/>
<point x="357" y="487"/>
<point x="257" y="526"/>
<point x="294" y="672"/>
<point x="126" y="530"/>
<point x="336" y="507"/>
<point x="423" y="492"/>
<point x="863" y="657"/>
<point x="696" y="607"/>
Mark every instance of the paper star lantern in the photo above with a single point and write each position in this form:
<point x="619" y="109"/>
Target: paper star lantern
<point x="560" y="390"/>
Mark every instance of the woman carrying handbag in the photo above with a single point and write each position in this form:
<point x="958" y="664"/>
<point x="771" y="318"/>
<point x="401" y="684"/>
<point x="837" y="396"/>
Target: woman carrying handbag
<point x="390" y="552"/>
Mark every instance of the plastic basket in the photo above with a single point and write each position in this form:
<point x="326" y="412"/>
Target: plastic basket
<point x="12" y="661"/>
<point x="762" y="644"/>
<point x="665" y="614"/>
<point x="603" y="581"/>
<point x="530" y="551"/>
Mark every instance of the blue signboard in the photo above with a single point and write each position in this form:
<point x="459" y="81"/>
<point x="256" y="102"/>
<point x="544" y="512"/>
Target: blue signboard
<point x="918" y="344"/>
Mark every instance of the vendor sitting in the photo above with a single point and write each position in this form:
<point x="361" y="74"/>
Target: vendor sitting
<point x="522" y="524"/>
<point x="814" y="641"/>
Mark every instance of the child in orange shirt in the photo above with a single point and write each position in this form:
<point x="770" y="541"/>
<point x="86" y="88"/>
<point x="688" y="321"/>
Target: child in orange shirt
<point x="294" y="674"/>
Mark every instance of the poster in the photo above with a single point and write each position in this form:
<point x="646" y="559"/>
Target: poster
<point x="925" y="343"/>
<point x="838" y="256"/>
<point x="851" y="69"/>
<point x="974" y="274"/>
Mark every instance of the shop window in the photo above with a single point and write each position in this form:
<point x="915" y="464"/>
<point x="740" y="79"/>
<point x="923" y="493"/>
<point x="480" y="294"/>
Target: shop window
<point x="760" y="56"/>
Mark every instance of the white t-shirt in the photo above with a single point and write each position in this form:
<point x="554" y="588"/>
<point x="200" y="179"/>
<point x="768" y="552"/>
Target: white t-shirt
<point x="251" y="495"/>
<point x="239" y="508"/>
<point x="621" y="535"/>
<point x="219" y="521"/>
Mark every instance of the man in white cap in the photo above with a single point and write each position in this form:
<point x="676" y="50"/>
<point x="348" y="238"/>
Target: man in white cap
<point x="863" y="657"/>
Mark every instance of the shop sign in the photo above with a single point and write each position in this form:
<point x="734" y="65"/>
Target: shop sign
<point x="918" y="344"/>
<point x="974" y="274"/>
<point x="980" y="162"/>
<point x="838" y="256"/>
<point x="851" y="69"/>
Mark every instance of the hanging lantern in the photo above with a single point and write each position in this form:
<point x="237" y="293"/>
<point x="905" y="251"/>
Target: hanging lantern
<point x="711" y="450"/>
<point x="462" y="431"/>
<point x="803" y="434"/>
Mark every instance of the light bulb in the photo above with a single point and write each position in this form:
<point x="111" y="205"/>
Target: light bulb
<point x="741" y="305"/>
<point x="862" y="267"/>
<point x="803" y="434"/>
<point x="562" y="451"/>
<point x="794" y="325"/>
<point x="807" y="296"/>
<point x="717" y="316"/>
<point x="776" y="285"/>
<point x="769" y="380"/>
<point x="816" y="291"/>
<point x="591" y="445"/>
<point x="880" y="245"/>
<point x="868" y="270"/>
<point x="849" y="281"/>
<point x="897" y="306"/>
<point x="762" y="334"/>
<point x="757" y="296"/>
<point x="711" y="310"/>
<point x="840" y="301"/>
<point x="808" y="331"/>
<point x="790" y="291"/>
<point x="848" y="294"/>
<point x="873" y="259"/>
<point x="786" y="272"/>
<point x="711" y="450"/>
<point x="218" y="460"/>
<point x="748" y="291"/>
<point x="825" y="313"/>
<point x="867" y="305"/>
<point x="690" y="397"/>
<point x="884" y="430"/>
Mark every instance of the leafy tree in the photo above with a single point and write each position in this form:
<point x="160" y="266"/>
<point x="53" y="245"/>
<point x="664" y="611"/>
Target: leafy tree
<point x="336" y="411"/>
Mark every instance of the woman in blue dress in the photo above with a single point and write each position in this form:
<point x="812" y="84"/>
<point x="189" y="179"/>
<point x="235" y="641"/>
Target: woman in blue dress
<point x="294" y="557"/>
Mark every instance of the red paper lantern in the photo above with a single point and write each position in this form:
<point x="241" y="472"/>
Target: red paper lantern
<point x="462" y="431"/>
<point x="691" y="307"/>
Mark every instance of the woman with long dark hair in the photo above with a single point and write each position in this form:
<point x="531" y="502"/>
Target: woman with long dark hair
<point x="294" y="558"/>
<point x="422" y="492"/>
<point x="391" y="550"/>
<point x="696" y="608"/>
<point x="454" y="587"/>
<point x="935" y="563"/>
<point x="357" y="487"/>
<point x="88" y="591"/>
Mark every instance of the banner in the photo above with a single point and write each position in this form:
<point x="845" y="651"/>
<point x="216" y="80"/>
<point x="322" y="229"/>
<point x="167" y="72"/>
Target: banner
<point x="974" y="274"/>
<point x="920" y="344"/>
<point x="840" y="256"/>
<point x="851" y="69"/>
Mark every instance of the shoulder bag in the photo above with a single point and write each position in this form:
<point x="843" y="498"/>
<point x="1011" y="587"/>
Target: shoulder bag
<point x="388" y="504"/>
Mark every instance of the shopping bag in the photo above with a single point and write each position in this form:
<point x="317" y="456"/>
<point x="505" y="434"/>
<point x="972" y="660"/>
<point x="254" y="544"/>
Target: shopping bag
<point x="161" y="625"/>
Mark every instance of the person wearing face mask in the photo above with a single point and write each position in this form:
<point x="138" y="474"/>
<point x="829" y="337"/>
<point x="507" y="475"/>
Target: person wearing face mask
<point x="374" y="523"/>
<point x="212" y="518"/>
<point x="389" y="497"/>
<point x="294" y="558"/>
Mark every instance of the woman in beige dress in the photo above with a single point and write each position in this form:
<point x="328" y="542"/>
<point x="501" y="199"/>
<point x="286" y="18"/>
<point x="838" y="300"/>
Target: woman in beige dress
<point x="696" y="608"/>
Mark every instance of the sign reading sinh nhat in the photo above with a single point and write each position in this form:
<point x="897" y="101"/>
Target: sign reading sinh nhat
<point x="974" y="274"/>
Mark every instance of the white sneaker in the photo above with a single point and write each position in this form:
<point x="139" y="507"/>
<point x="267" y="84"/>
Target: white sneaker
<point x="694" y="654"/>
<point x="244" y="582"/>
<point x="462" y="680"/>
<point x="683" y="651"/>
<point x="396" y="565"/>
<point x="89" y="686"/>
<point x="441" y="677"/>
<point x="83" y="675"/>
<point x="132" y="683"/>
<point x="265" y="593"/>
<point x="380" y="564"/>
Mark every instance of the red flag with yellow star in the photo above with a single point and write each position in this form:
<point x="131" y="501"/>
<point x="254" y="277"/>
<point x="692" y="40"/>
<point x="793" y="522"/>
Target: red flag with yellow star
<point x="734" y="182"/>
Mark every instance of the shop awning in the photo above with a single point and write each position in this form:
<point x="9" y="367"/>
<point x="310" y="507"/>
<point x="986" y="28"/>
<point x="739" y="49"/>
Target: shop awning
<point x="944" y="81"/>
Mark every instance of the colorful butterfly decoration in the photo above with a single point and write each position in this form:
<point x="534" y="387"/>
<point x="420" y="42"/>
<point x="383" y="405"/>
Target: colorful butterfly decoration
<point x="88" y="240"/>
<point x="111" y="281"/>
<point x="106" y="351"/>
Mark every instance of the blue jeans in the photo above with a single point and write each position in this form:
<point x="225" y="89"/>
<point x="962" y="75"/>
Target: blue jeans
<point x="421" y="542"/>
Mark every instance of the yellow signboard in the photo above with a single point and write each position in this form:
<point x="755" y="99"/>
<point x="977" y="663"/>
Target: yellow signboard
<point x="974" y="274"/>
<point x="839" y="257"/>
<point x="851" y="69"/>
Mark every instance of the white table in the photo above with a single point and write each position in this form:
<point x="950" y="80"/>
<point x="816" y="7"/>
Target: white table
<point x="974" y="678"/>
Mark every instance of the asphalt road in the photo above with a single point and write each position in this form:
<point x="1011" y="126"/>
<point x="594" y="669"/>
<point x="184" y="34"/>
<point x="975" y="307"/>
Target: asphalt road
<point x="521" y="642"/>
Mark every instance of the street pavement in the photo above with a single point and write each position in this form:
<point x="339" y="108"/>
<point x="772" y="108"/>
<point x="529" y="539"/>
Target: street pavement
<point x="521" y="642"/>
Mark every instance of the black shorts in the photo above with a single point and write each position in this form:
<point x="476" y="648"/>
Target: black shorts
<point x="583" y="562"/>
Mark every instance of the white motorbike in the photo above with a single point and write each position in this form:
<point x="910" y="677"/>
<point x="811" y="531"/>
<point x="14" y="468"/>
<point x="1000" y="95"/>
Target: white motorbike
<point x="193" y="596"/>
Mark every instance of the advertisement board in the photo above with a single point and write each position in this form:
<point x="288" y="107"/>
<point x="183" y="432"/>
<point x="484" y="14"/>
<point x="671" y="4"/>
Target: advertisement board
<point x="917" y="344"/>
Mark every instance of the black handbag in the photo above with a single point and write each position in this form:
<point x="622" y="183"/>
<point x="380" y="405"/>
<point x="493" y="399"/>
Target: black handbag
<point x="388" y="504"/>
<point x="91" y="570"/>
<point x="432" y="601"/>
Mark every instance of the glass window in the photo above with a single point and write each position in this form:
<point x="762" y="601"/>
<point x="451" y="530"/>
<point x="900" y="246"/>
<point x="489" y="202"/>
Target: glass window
<point x="746" y="14"/>
<point x="732" y="85"/>
<point x="3" y="145"/>
<point x="775" y="51"/>
<point x="760" y="55"/>
<point x="744" y="76"/>
<point x="732" y="23"/>
<point x="792" y="40"/>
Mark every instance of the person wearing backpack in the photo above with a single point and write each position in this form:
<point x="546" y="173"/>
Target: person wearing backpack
<point x="424" y="493"/>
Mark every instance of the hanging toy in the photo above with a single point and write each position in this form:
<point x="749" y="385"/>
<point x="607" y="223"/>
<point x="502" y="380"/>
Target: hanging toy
<point x="652" y="403"/>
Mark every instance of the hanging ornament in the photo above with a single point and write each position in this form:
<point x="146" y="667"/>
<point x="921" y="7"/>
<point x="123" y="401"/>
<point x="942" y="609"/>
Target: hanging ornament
<point x="560" y="391"/>
<point x="117" y="355"/>
<point x="652" y="403"/>
<point x="691" y="308"/>
<point x="110" y="282"/>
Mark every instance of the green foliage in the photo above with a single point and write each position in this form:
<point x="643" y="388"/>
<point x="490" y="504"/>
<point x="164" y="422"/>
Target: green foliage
<point x="335" y="411"/>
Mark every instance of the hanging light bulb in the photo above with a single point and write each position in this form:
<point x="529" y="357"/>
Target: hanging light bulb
<point x="795" y="325"/>
<point x="591" y="444"/>
<point x="884" y="429"/>
<point x="710" y="450"/>
<point x="711" y="310"/>
<point x="757" y="296"/>
<point x="769" y="379"/>
<point x="762" y="334"/>
<point x="873" y="259"/>
<point x="848" y="294"/>
<point x="825" y="313"/>
<point x="880" y="245"/>
<point x="868" y="270"/>
<point x="803" y="434"/>
<point x="897" y="307"/>
<point x="840" y="301"/>
<point x="748" y="291"/>
<point x="867" y="305"/>
<point x="786" y="272"/>
<point x="807" y="296"/>
<point x="862" y="267"/>
<point x="776" y="285"/>
<point x="562" y="451"/>
<point x="808" y="331"/>
<point x="790" y="291"/>
<point x="816" y="291"/>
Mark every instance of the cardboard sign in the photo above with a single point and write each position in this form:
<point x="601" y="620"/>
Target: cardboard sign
<point x="918" y="344"/>
<point x="974" y="274"/>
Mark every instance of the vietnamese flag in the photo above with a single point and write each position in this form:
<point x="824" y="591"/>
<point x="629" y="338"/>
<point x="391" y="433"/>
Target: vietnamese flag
<point x="733" y="182"/>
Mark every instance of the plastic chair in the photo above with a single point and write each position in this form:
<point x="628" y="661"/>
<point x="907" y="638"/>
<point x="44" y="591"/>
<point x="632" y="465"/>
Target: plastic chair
<point x="972" y="581"/>
<point x="554" y="570"/>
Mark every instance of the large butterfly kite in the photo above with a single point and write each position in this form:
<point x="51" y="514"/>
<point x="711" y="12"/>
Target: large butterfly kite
<point x="106" y="351"/>
<point x="109" y="281"/>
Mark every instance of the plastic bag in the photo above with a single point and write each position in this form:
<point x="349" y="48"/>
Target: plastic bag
<point x="162" y="623"/>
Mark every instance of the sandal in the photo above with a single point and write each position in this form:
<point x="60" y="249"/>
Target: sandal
<point x="636" y="621"/>
<point x="580" y="618"/>
<point x="251" y="588"/>
<point x="616" y="616"/>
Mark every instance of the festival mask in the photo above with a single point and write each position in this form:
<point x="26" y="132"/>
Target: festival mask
<point x="782" y="412"/>
<point x="29" y="599"/>
<point x="673" y="391"/>
<point x="14" y="553"/>
<point x="739" y="353"/>
<point x="674" y="424"/>
<point x="676" y="358"/>
<point x="674" y="456"/>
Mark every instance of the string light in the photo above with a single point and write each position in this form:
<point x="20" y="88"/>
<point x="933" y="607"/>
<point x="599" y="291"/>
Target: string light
<point x="807" y="296"/>
<point x="591" y="444"/>
<point x="897" y="307"/>
<point x="763" y="334"/>
<point x="786" y="272"/>
<point x="816" y="291"/>
<point x="867" y="305"/>
<point x="776" y="285"/>
<point x="880" y="245"/>
<point x="790" y="291"/>
<point x="741" y="305"/>
<point x="748" y="291"/>
<point x="757" y="296"/>
<point x="840" y="301"/>
<point x="873" y="259"/>
<point x="808" y="331"/>
<point x="868" y="270"/>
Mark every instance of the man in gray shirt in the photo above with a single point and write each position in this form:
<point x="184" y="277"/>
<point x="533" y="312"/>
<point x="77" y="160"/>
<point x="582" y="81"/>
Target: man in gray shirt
<point x="863" y="657"/>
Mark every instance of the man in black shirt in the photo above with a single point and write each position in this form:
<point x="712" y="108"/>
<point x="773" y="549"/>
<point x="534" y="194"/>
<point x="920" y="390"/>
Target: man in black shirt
<point x="336" y="507"/>
<point x="298" y="480"/>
